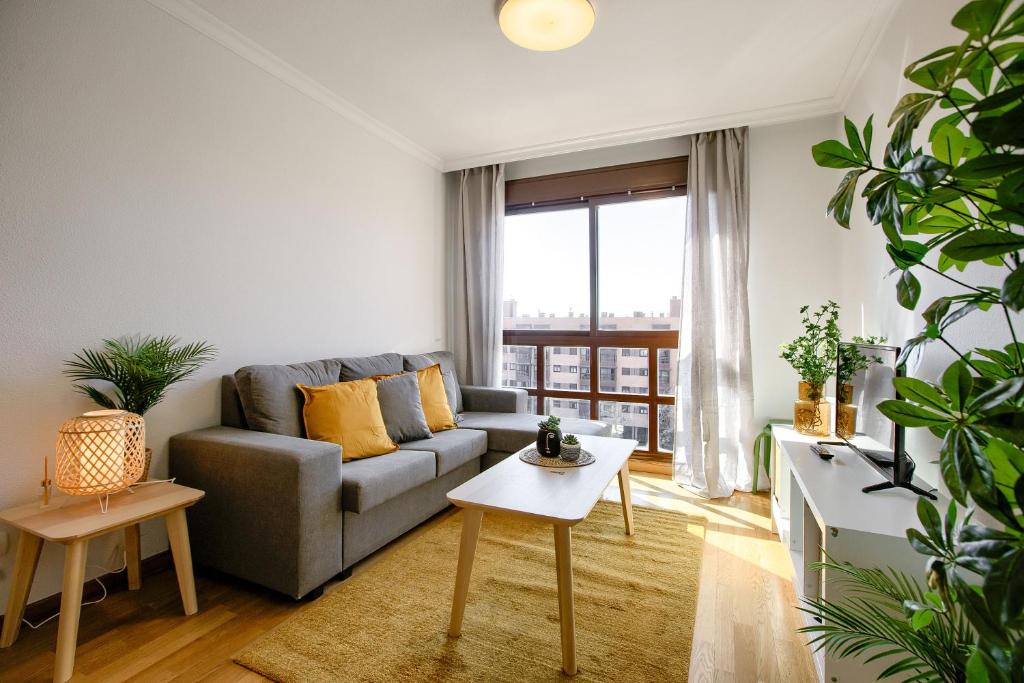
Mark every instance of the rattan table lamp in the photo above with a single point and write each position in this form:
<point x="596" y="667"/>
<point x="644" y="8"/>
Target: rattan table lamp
<point x="99" y="453"/>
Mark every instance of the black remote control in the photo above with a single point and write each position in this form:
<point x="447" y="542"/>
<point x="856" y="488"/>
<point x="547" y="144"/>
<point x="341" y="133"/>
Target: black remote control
<point x="822" y="452"/>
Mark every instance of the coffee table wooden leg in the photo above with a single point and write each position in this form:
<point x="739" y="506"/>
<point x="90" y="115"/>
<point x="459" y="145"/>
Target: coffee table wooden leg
<point x="467" y="550"/>
<point x="566" y="610"/>
<point x="133" y="556"/>
<point x="26" y="559"/>
<point x="70" y="610"/>
<point x="627" y="502"/>
<point x="177" y="534"/>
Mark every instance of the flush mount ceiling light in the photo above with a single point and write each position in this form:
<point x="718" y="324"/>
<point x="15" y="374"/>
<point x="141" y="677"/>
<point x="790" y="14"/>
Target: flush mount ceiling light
<point x="546" y="25"/>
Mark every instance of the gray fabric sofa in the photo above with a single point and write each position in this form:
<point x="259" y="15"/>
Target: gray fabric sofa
<point x="283" y="511"/>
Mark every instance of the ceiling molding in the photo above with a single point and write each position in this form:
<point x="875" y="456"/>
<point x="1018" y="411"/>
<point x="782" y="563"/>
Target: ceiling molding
<point x="217" y="30"/>
<point x="755" y="117"/>
<point x="866" y="48"/>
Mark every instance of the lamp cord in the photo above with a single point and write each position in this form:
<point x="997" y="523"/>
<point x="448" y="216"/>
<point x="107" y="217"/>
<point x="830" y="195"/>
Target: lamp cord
<point x="103" y="597"/>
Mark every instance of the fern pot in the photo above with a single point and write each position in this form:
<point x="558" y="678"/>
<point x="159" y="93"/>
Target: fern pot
<point x="811" y="414"/>
<point x="846" y="412"/>
<point x="570" y="452"/>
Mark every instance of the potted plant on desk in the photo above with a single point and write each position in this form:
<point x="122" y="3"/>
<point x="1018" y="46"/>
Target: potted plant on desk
<point x="549" y="437"/>
<point x="813" y="356"/>
<point x="140" y="370"/>
<point x="851" y="361"/>
<point x="570" y="448"/>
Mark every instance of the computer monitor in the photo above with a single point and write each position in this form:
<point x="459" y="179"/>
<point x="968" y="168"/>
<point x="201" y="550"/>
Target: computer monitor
<point x="864" y="378"/>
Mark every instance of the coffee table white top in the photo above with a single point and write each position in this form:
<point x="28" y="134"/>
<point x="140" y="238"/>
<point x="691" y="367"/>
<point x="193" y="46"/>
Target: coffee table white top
<point x="563" y="495"/>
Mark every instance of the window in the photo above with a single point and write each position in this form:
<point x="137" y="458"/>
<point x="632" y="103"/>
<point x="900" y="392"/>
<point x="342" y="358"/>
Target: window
<point x="591" y="312"/>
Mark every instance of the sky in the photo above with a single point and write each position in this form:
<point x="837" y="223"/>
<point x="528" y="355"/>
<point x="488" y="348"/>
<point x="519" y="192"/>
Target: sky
<point x="639" y="258"/>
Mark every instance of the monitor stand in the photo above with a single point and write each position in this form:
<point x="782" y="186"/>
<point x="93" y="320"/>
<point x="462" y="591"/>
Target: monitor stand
<point x="890" y="485"/>
<point x="885" y="485"/>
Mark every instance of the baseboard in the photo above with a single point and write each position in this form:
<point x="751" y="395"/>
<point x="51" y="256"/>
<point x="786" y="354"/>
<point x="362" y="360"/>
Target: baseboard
<point x="638" y="465"/>
<point x="115" y="582"/>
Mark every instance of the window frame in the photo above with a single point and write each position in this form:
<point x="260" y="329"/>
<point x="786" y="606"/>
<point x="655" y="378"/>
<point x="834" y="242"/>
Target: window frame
<point x="596" y="338"/>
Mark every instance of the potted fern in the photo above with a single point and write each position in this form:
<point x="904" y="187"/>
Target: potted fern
<point x="136" y="372"/>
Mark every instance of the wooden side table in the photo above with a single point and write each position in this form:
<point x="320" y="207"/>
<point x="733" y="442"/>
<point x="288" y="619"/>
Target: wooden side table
<point x="73" y="521"/>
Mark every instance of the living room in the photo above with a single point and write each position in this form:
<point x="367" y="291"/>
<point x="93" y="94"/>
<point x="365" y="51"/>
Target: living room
<point x="336" y="312"/>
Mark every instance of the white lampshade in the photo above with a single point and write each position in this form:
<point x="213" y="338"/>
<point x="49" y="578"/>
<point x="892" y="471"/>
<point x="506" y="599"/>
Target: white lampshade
<point x="100" y="452"/>
<point x="546" y="25"/>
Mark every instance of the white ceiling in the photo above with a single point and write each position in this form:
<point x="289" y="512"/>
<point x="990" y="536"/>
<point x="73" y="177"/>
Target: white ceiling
<point x="438" y="78"/>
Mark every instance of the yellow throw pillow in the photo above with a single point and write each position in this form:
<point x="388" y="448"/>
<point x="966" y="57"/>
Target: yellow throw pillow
<point x="348" y="414"/>
<point x="435" y="400"/>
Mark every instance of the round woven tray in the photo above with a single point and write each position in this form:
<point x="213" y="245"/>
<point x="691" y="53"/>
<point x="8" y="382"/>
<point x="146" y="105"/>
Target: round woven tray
<point x="534" y="458"/>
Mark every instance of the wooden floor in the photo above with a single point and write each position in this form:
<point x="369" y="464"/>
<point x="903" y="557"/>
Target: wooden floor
<point x="744" y="630"/>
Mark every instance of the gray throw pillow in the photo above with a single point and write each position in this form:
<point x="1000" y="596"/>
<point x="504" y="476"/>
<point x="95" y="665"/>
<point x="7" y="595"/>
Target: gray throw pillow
<point x="400" y="403"/>
<point x="270" y="400"/>
<point x="360" y="367"/>
<point x="446" y="359"/>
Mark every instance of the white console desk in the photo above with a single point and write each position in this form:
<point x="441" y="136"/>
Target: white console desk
<point x="818" y="506"/>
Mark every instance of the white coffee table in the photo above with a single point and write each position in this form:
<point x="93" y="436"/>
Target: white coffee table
<point x="562" y="497"/>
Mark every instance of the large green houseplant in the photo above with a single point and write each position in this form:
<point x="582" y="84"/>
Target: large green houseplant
<point x="950" y="210"/>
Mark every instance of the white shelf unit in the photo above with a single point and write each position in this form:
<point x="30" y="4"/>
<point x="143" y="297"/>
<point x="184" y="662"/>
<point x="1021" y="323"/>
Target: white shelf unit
<point x="818" y="507"/>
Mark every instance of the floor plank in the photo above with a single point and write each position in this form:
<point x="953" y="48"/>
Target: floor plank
<point x="745" y="629"/>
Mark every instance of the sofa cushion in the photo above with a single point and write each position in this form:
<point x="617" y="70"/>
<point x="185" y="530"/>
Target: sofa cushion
<point x="446" y="359"/>
<point x="454" y="447"/>
<point x="399" y="398"/>
<point x="368" y="366"/>
<point x="270" y="398"/>
<point x="508" y="432"/>
<point x="369" y="482"/>
<point x="348" y="414"/>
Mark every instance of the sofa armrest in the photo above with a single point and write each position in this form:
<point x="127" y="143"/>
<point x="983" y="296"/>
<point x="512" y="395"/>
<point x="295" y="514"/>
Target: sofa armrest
<point x="493" y="400"/>
<point x="272" y="511"/>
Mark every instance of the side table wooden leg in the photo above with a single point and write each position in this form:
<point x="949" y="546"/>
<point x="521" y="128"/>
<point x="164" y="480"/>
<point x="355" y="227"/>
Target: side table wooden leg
<point x="627" y="501"/>
<point x="133" y="556"/>
<point x="177" y="534"/>
<point x="26" y="559"/>
<point x="566" y="608"/>
<point x="70" y="609"/>
<point x="467" y="551"/>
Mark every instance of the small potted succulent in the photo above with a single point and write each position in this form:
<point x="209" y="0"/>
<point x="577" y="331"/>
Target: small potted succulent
<point x="549" y="437"/>
<point x="570" y="448"/>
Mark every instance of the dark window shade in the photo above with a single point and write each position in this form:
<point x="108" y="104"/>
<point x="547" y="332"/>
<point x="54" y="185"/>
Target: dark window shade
<point x="644" y="176"/>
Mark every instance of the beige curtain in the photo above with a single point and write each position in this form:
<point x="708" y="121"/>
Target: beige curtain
<point x="476" y="266"/>
<point x="714" y="396"/>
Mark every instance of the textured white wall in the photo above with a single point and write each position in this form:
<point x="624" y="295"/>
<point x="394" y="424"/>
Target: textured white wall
<point x="152" y="181"/>
<point x="793" y="259"/>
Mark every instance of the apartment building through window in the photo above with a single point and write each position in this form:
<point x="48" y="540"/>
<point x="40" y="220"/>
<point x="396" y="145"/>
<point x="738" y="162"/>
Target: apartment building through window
<point x="593" y="266"/>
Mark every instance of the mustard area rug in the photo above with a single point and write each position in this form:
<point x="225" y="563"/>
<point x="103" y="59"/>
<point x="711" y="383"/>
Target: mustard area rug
<point x="636" y="599"/>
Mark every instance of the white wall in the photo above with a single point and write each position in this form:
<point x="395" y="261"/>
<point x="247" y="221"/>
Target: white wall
<point x="151" y="181"/>
<point x="919" y="27"/>
<point x="598" y="158"/>
<point x="793" y="258"/>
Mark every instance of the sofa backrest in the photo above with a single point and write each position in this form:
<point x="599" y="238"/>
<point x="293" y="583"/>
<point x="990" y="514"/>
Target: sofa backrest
<point x="264" y="397"/>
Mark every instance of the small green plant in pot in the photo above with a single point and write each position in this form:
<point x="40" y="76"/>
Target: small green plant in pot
<point x="570" y="448"/>
<point x="851" y="361"/>
<point x="813" y="356"/>
<point x="136" y="372"/>
<point x="549" y="437"/>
